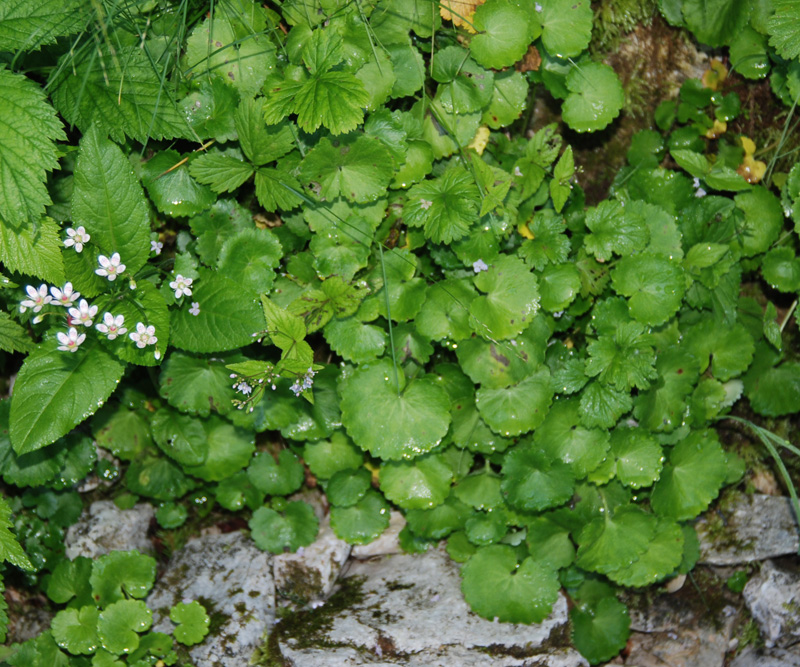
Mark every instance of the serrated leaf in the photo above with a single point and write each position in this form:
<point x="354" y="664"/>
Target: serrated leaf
<point x="196" y="385"/>
<point x="595" y="98"/>
<point x="332" y="298"/>
<point x="120" y="94"/>
<point x="519" y="408"/>
<point x="549" y="543"/>
<point x="119" y="624"/>
<point x="533" y="481"/>
<point x="776" y="392"/>
<point x="549" y="244"/>
<point x="495" y="585"/>
<point x="414" y="417"/>
<point x="348" y="486"/>
<point x="260" y="143"/>
<point x="614" y="230"/>
<point x="660" y="408"/>
<point x="638" y="457"/>
<point x="29" y="129"/>
<point x="327" y="457"/>
<point x="172" y="188"/>
<point x="419" y="484"/>
<point x="109" y="202"/>
<point x="566" y="26"/>
<point x="611" y="542"/>
<point x="249" y="259"/>
<point x="294" y="528"/>
<point x="363" y="522"/>
<point x="10" y="549"/>
<point x="601" y="405"/>
<point x="193" y="622"/>
<point x="341" y="246"/>
<point x="654" y="285"/>
<point x="76" y="629"/>
<point x="355" y="341"/>
<point x="25" y="25"/>
<point x="209" y="109"/>
<point x="782" y="29"/>
<point x="121" y="574"/>
<point x="624" y="360"/>
<point x="445" y="313"/>
<point x="13" y="338"/>
<point x="57" y="390"/>
<point x="464" y="86"/>
<point x="33" y="249"/>
<point x="661" y="558"/>
<point x="222" y="171"/>
<point x="503" y="34"/>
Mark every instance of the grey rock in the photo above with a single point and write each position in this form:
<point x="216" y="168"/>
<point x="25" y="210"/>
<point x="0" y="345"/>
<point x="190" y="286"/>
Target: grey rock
<point x="310" y="573"/>
<point x="105" y="528"/>
<point x="754" y="527"/>
<point x="773" y="598"/>
<point x="28" y="624"/>
<point x="387" y="543"/>
<point x="408" y="610"/>
<point x="774" y="657"/>
<point x="232" y="578"/>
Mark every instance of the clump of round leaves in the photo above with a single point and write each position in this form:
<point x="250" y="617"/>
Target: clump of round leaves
<point x="296" y="526"/>
<point x="495" y="585"/>
<point x="192" y="622"/>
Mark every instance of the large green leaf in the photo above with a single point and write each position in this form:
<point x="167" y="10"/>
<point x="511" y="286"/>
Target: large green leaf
<point x="56" y="391"/>
<point x="533" y="481"/>
<point x="197" y="385"/>
<point x="393" y="421"/>
<point x="782" y="28"/>
<point x="13" y="338"/>
<point x="180" y="436"/>
<point x="444" y="207"/>
<point x="566" y="26"/>
<point x="614" y="230"/>
<point x="33" y="249"/>
<point x="519" y="408"/>
<point x="655" y="287"/>
<point x="503" y="34"/>
<point x="716" y="22"/>
<point x="595" y="98"/>
<point x="419" y="484"/>
<point x="763" y="220"/>
<point x="29" y="129"/>
<point x="109" y="201"/>
<point x="611" y="542"/>
<point x="172" y="188"/>
<point x="28" y="24"/>
<point x="249" y="258"/>
<point x="363" y="522"/>
<point x="229" y="450"/>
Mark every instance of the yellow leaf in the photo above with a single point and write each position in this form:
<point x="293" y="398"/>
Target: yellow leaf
<point x="748" y="145"/>
<point x="715" y="74"/>
<point x="524" y="231"/>
<point x="752" y="170"/>
<point x="460" y="12"/>
<point x="719" y="127"/>
<point x="480" y="140"/>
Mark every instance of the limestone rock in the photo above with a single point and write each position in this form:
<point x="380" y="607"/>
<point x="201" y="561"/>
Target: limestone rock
<point x="232" y="578"/>
<point x="774" y="657"/>
<point x="754" y="527"/>
<point x="773" y="598"/>
<point x="106" y="528"/>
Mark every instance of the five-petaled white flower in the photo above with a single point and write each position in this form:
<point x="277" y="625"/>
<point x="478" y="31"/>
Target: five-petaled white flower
<point x="38" y="298"/>
<point x="70" y="341"/>
<point x="110" y="267"/>
<point x="195" y="309"/>
<point x="181" y="286"/>
<point x="425" y="204"/>
<point x="83" y="314"/>
<point x="77" y="237"/>
<point x="143" y="335"/>
<point x="156" y="247"/>
<point x="64" y="297"/>
<point x="244" y="388"/>
<point x="112" y="326"/>
<point x="479" y="266"/>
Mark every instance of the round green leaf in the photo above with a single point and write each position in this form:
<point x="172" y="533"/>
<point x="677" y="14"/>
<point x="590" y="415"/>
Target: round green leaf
<point x="496" y="586"/>
<point x="276" y="478"/>
<point x="519" y="408"/>
<point x="119" y="624"/>
<point x="508" y="99"/>
<point x="485" y="528"/>
<point x="445" y="313"/>
<point x="363" y="522"/>
<point x="611" y="542"/>
<point x="749" y="54"/>
<point x="192" y="621"/>
<point x="716" y="22"/>
<point x="419" y="484"/>
<point x="236" y="492"/>
<point x="781" y="269"/>
<point x="654" y="285"/>
<point x="763" y="221"/>
<point x="438" y="522"/>
<point x="327" y="457"/>
<point x="229" y="450"/>
<point x="566" y="26"/>
<point x="464" y="86"/>
<point x="393" y="424"/>
<point x="171" y="515"/>
<point x="197" y="384"/>
<point x="600" y="631"/>
<point x="480" y="490"/>
<point x="157" y="478"/>
<point x="70" y="579"/>
<point x="638" y="457"/>
<point x="294" y="528"/>
<point x="120" y="574"/>
<point x="180" y="437"/>
<point x="503" y="34"/>
<point x="418" y="164"/>
<point x="173" y="190"/>
<point x="409" y="69"/>
<point x="347" y="487"/>
<point x="595" y="98"/>
<point x="776" y="392"/>
<point x="532" y="481"/>
<point x="661" y="558"/>
<point x="76" y="630"/>
<point x="559" y="285"/>
<point x="355" y="341"/>
<point x="549" y="543"/>
<point x="125" y="433"/>
<point x="249" y="258"/>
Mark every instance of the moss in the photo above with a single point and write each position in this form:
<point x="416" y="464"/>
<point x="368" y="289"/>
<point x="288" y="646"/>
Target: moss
<point x="305" y="583"/>
<point x="216" y="618"/>
<point x="613" y="19"/>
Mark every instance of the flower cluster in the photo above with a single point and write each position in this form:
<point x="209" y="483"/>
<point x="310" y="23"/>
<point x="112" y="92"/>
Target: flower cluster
<point x="303" y="383"/>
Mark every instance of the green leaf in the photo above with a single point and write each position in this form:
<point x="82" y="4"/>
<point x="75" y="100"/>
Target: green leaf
<point x="600" y="631"/>
<point x="561" y="186"/>
<point x="286" y="330"/>
<point x="445" y="207"/>
<point x="171" y="515"/>
<point x="566" y="26"/>
<point x="638" y="457"/>
<point x="229" y="316"/>
<point x="209" y="110"/>
<point x="661" y="558"/>
<point x="716" y="22"/>
<point x="10" y="549"/>
<point x="776" y="392"/>
<point x="42" y="650"/>
<point x="327" y="457"/>
<point x="660" y="409"/>
<point x="533" y="482"/>
<point x="125" y="433"/>
<point x="549" y="244"/>
<point x="121" y="574"/>
<point x="109" y="202"/>
<point x="13" y="338"/>
<point x="347" y="487"/>
<point x="519" y="408"/>
<point x="28" y="24"/>
<point x="654" y="285"/>
<point x="438" y="522"/>
<point x="196" y="384"/>
<point x="601" y="405"/>
<point x="29" y="129"/>
<point x="419" y="484"/>
<point x="611" y="542"/>
<point x="236" y="492"/>
<point x="157" y="478"/>
<point x="119" y="624"/>
<point x="192" y="622"/>
<point x="249" y="259"/>
<point x="341" y="247"/>
<point x="781" y="269"/>
<point x="782" y="29"/>
<point x="480" y="490"/>
<point x="509" y="99"/>
<point x="595" y="98"/>
<point x="624" y="360"/>
<point x="180" y="437"/>
<point x="57" y="390"/>
<point x="414" y="416"/>
<point x="276" y="478"/>
<point x="120" y="93"/>
<point x="333" y="298"/>
<point x="363" y="522"/>
<point x="33" y="249"/>
<point x="70" y="579"/>
<point x="173" y="190"/>
<point x="731" y="350"/>
<point x="296" y="527"/>
<point x="229" y="450"/>
<point x="495" y="585"/>
<point x="222" y="171"/>
<point x="355" y="341"/>
<point x="465" y="87"/>
<point x="614" y="230"/>
<point x="763" y="221"/>
<point x="259" y="143"/>
<point x="549" y="543"/>
<point x="509" y="302"/>
<point x="445" y="313"/>
<point x="692" y="477"/>
<point x="503" y="35"/>
<point x="76" y="630"/>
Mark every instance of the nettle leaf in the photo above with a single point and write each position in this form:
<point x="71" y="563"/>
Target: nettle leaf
<point x="222" y="171"/>
<point x="614" y="230"/>
<point x="655" y="287"/>
<point x="29" y="129"/>
<point x="464" y="86"/>
<point x="229" y="450"/>
<point x="595" y="98"/>
<point x="419" y="484"/>
<point x="692" y="478"/>
<point x="638" y="457"/>
<point x="363" y="522"/>
<point x="293" y="528"/>
<point x="120" y="574"/>
<point x="10" y="549"/>
<point x="715" y="22"/>
<point x="196" y="384"/>
<point x="229" y="316"/>
<point x="600" y="631"/>
<point x="118" y="625"/>
<point x="57" y="390"/>
<point x="533" y="481"/>
<point x="28" y="24"/>
<point x="550" y="244"/>
<point x="192" y="622"/>
<point x="660" y="559"/>
<point x="503" y="34"/>
<point x="445" y="207"/>
<point x="76" y="629"/>
<point x="611" y="542"/>
<point x="495" y="585"/>
<point x="624" y="360"/>
<point x="566" y="26"/>
<point x="414" y="416"/>
<point x="33" y="249"/>
<point x="358" y="169"/>
<point x="276" y="478"/>
<point x="180" y="437"/>
<point x="249" y="258"/>
<point x="519" y="408"/>
<point x="782" y="29"/>
<point x="509" y="302"/>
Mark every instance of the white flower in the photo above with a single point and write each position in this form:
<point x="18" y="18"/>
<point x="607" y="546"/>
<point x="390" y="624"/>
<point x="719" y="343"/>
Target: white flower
<point x="243" y="387"/>
<point x="143" y="335"/>
<point x="110" y="268"/>
<point x="64" y="297"/>
<point x="195" y="309"/>
<point x="77" y="237"/>
<point x="425" y="204"/>
<point x="517" y="171"/>
<point x="71" y="341"/>
<point x="156" y="247"/>
<point x="479" y="266"/>
<point x="112" y="326"/>
<point x="84" y="313"/>
<point x="700" y="193"/>
<point x="38" y="298"/>
<point x="181" y="286"/>
<point x="537" y="6"/>
<point x="303" y="383"/>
